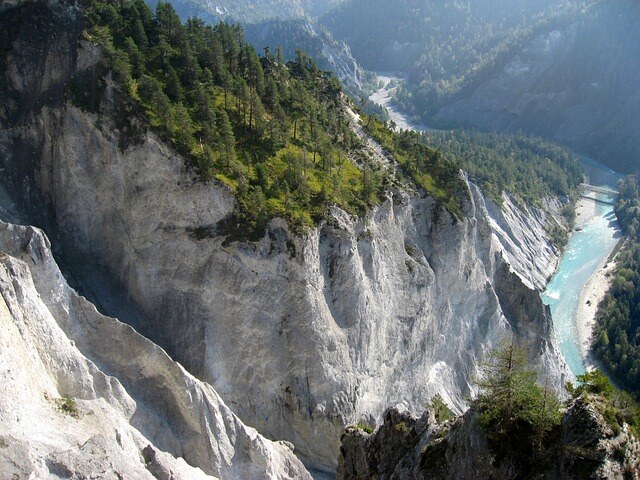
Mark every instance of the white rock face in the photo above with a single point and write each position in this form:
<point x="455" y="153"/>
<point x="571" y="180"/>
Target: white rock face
<point x="520" y="232"/>
<point x="299" y="335"/>
<point x="131" y="411"/>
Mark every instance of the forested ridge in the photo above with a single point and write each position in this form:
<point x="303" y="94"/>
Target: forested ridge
<point x="617" y="331"/>
<point x="274" y="133"/>
<point x="530" y="168"/>
<point x="301" y="34"/>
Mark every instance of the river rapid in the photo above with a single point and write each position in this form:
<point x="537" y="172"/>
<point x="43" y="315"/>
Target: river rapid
<point x="576" y="281"/>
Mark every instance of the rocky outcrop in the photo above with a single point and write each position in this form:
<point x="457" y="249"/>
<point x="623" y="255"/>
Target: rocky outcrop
<point x="407" y="447"/>
<point x="300" y="335"/>
<point x="84" y="394"/>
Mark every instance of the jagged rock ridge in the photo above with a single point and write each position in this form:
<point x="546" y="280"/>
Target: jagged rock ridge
<point x="85" y="394"/>
<point x="411" y="448"/>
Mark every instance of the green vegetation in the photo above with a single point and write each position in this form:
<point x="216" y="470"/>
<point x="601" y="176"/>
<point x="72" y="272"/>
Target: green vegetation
<point x="365" y="427"/>
<point x="68" y="406"/>
<point x="529" y="167"/>
<point x="300" y="34"/>
<point x="441" y="410"/>
<point x="513" y="406"/>
<point x="401" y="427"/>
<point x="274" y="133"/>
<point x="628" y="206"/>
<point x="616" y="406"/>
<point x="426" y="166"/>
<point x="617" y="331"/>
<point x="444" y="46"/>
<point x="453" y="51"/>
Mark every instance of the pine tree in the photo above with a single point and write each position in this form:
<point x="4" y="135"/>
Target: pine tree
<point x="227" y="139"/>
<point x="511" y="403"/>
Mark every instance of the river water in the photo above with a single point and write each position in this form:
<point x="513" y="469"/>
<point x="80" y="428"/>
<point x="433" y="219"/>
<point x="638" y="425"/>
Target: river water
<point x="587" y="250"/>
<point x="383" y="96"/>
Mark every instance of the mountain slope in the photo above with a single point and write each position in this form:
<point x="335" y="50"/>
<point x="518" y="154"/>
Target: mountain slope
<point x="576" y="84"/>
<point x="566" y="71"/>
<point x="250" y="11"/>
<point x="330" y="54"/>
<point x="300" y="334"/>
<point x="434" y="40"/>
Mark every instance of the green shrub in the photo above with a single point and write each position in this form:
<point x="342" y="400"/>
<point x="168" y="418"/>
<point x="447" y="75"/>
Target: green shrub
<point x="68" y="406"/>
<point x="365" y="427"/>
<point x="441" y="410"/>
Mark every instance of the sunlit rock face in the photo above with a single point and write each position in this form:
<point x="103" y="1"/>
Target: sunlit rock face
<point x="84" y="394"/>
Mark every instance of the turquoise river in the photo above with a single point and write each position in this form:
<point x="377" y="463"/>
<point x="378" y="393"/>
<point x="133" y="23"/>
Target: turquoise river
<point x="587" y="250"/>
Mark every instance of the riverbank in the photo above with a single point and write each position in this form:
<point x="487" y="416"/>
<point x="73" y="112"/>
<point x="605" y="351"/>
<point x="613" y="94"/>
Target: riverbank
<point x="594" y="290"/>
<point x="384" y="96"/>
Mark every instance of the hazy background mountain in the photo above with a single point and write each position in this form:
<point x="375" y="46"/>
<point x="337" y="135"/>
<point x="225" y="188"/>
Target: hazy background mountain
<point x="577" y="83"/>
<point x="434" y="40"/>
<point x="301" y="33"/>
<point x="250" y="11"/>
<point x="566" y="70"/>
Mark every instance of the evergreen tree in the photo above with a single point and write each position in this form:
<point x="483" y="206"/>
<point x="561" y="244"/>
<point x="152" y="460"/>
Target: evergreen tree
<point x="227" y="139"/>
<point x="512" y="404"/>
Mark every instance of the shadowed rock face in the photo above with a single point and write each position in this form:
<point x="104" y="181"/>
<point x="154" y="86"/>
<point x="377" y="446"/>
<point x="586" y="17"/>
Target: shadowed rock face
<point x="411" y="448"/>
<point x="299" y="335"/>
<point x="84" y="394"/>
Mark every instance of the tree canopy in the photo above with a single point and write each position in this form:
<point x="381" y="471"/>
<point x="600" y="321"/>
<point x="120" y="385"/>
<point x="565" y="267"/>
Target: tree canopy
<point x="513" y="405"/>
<point x="617" y="330"/>
<point x="275" y="133"/>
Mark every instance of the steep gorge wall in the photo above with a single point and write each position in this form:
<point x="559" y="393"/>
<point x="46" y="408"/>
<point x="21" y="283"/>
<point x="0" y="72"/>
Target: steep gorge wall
<point x="86" y="395"/>
<point x="299" y="335"/>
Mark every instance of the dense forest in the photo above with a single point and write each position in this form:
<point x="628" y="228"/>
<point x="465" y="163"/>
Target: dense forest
<point x="617" y="332"/>
<point x="528" y="167"/>
<point x="274" y="133"/>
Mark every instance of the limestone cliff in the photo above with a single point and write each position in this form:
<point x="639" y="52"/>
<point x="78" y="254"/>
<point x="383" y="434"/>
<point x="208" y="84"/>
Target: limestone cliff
<point x="411" y="448"/>
<point x="300" y="335"/>
<point x="84" y="394"/>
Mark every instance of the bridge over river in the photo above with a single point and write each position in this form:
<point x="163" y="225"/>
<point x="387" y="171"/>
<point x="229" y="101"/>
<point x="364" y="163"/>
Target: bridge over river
<point x="609" y="192"/>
